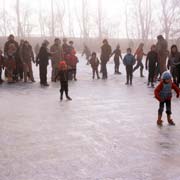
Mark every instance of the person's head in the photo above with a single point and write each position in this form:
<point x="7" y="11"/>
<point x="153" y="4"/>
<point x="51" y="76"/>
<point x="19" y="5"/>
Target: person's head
<point x="118" y="46"/>
<point x="62" y="66"/>
<point x="11" y="37"/>
<point x="141" y="45"/>
<point x="71" y="43"/>
<point x="22" y="41"/>
<point x="166" y="77"/>
<point x="105" y="41"/>
<point x="45" y="43"/>
<point x="128" y="50"/>
<point x="160" y="37"/>
<point x="26" y="43"/>
<point x="153" y="47"/>
<point x="64" y="40"/>
<point x="93" y="55"/>
<point x="174" y="49"/>
<point x="57" y="41"/>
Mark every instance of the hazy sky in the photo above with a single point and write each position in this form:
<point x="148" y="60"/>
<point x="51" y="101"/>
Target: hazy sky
<point x="113" y="11"/>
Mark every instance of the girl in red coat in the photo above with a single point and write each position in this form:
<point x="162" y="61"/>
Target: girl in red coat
<point x="163" y="93"/>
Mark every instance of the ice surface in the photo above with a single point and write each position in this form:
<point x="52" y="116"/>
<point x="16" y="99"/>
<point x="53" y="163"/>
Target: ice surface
<point x="108" y="131"/>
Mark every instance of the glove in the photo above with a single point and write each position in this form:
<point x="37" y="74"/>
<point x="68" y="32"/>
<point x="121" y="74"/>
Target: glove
<point x="177" y="95"/>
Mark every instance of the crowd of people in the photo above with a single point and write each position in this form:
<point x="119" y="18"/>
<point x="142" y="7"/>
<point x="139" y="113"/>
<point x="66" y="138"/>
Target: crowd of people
<point x="17" y="59"/>
<point x="16" y="63"/>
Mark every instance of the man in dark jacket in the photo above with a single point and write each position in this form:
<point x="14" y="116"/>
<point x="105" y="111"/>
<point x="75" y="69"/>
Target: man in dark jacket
<point x="42" y="60"/>
<point x="105" y="55"/>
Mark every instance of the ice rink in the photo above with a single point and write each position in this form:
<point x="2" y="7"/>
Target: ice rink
<point x="108" y="131"/>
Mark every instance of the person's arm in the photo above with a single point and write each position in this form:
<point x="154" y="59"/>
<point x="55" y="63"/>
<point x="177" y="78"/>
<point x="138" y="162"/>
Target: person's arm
<point x="174" y="86"/>
<point x="168" y="63"/>
<point x="124" y="60"/>
<point x="147" y="60"/>
<point x="120" y="55"/>
<point x="112" y="53"/>
<point x="157" y="92"/>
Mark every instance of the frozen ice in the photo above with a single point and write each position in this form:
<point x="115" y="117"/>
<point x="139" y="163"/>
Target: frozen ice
<point x="108" y="131"/>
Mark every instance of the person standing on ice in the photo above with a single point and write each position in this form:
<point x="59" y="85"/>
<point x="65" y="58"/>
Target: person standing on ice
<point x="174" y="64"/>
<point x="139" y="57"/>
<point x="129" y="60"/>
<point x="162" y="50"/>
<point x="163" y="93"/>
<point x="10" y="50"/>
<point x="27" y="56"/>
<point x="117" y="55"/>
<point x="94" y="61"/>
<point x="105" y="55"/>
<point x="57" y="56"/>
<point x="63" y="76"/>
<point x="43" y="61"/>
<point x="1" y="65"/>
<point x="87" y="53"/>
<point x="151" y="65"/>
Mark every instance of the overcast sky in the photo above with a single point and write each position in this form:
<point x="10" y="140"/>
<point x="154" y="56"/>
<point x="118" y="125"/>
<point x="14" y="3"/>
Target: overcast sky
<point x="113" y="11"/>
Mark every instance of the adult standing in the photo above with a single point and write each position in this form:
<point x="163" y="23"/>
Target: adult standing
<point x="105" y="55"/>
<point x="87" y="53"/>
<point x="162" y="50"/>
<point x="27" y="57"/>
<point x="57" y="56"/>
<point x="117" y="55"/>
<point x="139" y="57"/>
<point x="43" y="61"/>
<point x="10" y="50"/>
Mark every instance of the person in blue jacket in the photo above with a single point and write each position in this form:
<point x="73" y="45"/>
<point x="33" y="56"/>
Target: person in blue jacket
<point x="129" y="61"/>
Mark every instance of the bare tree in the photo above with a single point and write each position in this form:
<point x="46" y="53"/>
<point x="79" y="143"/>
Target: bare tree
<point x="100" y="18"/>
<point x="170" y="14"/>
<point x="52" y="19"/>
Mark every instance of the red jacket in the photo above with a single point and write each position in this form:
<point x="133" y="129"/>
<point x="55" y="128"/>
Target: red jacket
<point x="159" y="88"/>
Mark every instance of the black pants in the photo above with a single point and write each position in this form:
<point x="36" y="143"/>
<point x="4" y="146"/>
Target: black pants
<point x="151" y="74"/>
<point x="178" y="75"/>
<point x="104" y="69"/>
<point x="116" y="67"/>
<point x="129" y="73"/>
<point x="43" y="73"/>
<point x="0" y="74"/>
<point x="139" y="64"/>
<point x="95" y="71"/>
<point x="64" y="88"/>
<point x="74" y="71"/>
<point x="168" y="107"/>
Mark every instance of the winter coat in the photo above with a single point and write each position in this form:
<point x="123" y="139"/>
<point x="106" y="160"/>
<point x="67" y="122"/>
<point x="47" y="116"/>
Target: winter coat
<point x="94" y="63"/>
<point x="152" y="59"/>
<point x="129" y="60"/>
<point x="43" y="56"/>
<point x="105" y="52"/>
<point x="163" y="91"/>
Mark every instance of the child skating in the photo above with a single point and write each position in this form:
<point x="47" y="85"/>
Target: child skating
<point x="94" y="61"/>
<point x="163" y="93"/>
<point x="63" y="76"/>
<point x="129" y="61"/>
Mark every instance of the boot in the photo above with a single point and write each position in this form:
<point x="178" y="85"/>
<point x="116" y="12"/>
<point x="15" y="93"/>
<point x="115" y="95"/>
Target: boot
<point x="170" y="121"/>
<point x="159" y="121"/>
<point x="67" y="96"/>
<point x="141" y="73"/>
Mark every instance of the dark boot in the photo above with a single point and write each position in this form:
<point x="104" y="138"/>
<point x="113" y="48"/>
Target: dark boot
<point x="170" y="121"/>
<point x="67" y="96"/>
<point x="159" y="121"/>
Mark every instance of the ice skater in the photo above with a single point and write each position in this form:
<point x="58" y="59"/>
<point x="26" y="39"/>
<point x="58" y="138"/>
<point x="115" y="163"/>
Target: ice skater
<point x="139" y="56"/>
<point x="129" y="61"/>
<point x="117" y="55"/>
<point x="94" y="61"/>
<point x="163" y="93"/>
<point x="151" y="65"/>
<point x="1" y="66"/>
<point x="63" y="76"/>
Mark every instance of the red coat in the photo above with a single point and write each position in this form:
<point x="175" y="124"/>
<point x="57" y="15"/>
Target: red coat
<point x="159" y="88"/>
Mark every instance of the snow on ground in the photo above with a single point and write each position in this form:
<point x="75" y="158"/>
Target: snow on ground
<point x="108" y="131"/>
